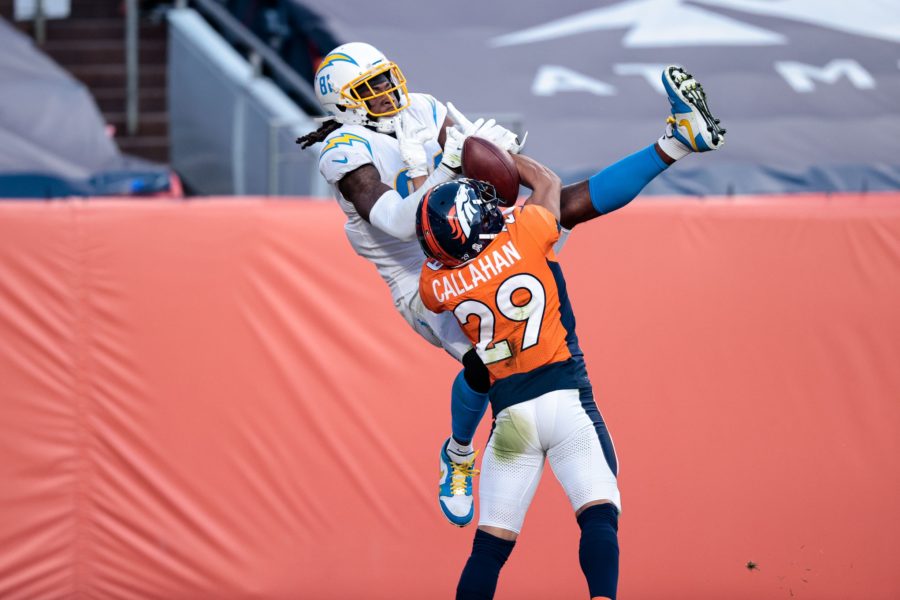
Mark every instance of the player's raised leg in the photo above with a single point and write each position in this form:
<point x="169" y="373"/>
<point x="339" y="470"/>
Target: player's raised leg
<point x="691" y="121"/>
<point x="468" y="402"/>
<point x="455" y="485"/>
<point x="691" y="127"/>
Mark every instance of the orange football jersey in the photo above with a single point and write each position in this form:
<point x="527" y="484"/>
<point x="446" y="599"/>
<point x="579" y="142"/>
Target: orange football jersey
<point x="508" y="298"/>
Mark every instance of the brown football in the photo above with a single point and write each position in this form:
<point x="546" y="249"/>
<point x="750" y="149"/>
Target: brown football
<point x="484" y="160"/>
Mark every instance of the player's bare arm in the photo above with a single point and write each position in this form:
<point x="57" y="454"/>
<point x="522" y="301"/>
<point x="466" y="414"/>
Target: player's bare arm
<point x="575" y="205"/>
<point x="442" y="134"/>
<point x="545" y="184"/>
<point x="363" y="187"/>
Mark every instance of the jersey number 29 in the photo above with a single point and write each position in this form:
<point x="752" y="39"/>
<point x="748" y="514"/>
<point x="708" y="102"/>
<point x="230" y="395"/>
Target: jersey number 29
<point x="532" y="313"/>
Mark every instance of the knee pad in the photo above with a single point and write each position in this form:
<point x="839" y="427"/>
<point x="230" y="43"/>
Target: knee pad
<point x="598" y="550"/>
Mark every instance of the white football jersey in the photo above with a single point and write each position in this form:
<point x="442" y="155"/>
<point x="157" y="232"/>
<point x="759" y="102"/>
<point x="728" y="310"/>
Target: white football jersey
<point x="348" y="148"/>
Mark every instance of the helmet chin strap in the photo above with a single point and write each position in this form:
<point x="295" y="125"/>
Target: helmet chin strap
<point x="359" y="116"/>
<point x="385" y="124"/>
<point x="388" y="124"/>
<point x="380" y="124"/>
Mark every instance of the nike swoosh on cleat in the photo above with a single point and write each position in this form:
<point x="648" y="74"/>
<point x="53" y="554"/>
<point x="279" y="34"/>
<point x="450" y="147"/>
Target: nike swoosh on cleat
<point x="464" y="457"/>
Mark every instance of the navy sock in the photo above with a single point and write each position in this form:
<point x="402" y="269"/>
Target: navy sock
<point x="479" y="578"/>
<point x="466" y="409"/>
<point x="598" y="551"/>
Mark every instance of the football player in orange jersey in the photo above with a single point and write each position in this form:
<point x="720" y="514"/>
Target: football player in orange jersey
<point x="499" y="276"/>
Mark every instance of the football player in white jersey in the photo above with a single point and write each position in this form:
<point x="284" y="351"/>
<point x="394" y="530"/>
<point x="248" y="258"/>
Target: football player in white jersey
<point x="384" y="147"/>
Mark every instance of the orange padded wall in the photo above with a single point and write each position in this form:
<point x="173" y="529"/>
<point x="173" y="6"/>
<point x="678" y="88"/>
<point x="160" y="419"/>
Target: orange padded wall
<point x="215" y="400"/>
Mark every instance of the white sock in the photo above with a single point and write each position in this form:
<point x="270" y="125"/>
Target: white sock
<point x="459" y="453"/>
<point x="672" y="147"/>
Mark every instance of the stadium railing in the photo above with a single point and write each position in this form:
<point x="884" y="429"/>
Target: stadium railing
<point x="233" y="129"/>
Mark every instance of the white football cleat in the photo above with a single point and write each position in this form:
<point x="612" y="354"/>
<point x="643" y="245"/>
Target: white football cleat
<point x="455" y="489"/>
<point x="691" y="121"/>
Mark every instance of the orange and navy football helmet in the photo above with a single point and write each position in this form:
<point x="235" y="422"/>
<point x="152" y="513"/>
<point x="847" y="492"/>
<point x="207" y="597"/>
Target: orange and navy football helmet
<point x="456" y="220"/>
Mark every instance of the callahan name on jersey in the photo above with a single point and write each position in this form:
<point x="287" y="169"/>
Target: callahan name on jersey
<point x="466" y="278"/>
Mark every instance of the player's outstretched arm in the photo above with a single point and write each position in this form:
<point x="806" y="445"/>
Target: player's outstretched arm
<point x="545" y="184"/>
<point x="383" y="206"/>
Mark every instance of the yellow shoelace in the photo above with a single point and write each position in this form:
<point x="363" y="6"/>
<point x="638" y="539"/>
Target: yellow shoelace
<point x="459" y="472"/>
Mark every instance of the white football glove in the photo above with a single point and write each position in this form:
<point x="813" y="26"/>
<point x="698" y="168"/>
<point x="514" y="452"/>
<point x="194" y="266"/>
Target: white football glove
<point x="453" y="148"/>
<point x="412" y="137"/>
<point x="491" y="131"/>
<point x="509" y="141"/>
<point x="456" y="136"/>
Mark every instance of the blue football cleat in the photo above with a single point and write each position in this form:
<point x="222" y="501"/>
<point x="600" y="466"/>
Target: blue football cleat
<point x="455" y="489"/>
<point x="691" y="122"/>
